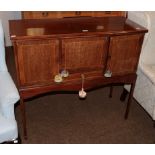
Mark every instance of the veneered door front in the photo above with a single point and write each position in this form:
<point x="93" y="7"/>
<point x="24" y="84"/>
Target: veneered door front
<point x="88" y="54"/>
<point x="37" y="61"/>
<point x="124" y="53"/>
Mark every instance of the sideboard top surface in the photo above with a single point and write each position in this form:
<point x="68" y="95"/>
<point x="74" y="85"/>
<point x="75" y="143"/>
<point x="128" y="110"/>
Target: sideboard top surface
<point x="32" y="28"/>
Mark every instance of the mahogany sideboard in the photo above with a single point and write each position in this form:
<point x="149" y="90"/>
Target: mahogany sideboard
<point x="105" y="50"/>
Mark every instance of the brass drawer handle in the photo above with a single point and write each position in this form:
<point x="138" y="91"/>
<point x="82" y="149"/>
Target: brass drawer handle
<point x="107" y="12"/>
<point x="108" y="74"/>
<point x="58" y="78"/>
<point x="82" y="93"/>
<point x="64" y="73"/>
<point x="44" y="14"/>
<point x="77" y="12"/>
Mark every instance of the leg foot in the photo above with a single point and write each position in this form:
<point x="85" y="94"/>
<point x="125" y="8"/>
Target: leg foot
<point x="154" y="123"/>
<point x="123" y="95"/>
<point x="129" y="100"/>
<point x="111" y="91"/>
<point x="15" y="141"/>
<point x="22" y="107"/>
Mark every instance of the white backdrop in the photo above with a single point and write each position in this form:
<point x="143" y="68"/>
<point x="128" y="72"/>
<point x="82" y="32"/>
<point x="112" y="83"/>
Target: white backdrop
<point x="5" y="16"/>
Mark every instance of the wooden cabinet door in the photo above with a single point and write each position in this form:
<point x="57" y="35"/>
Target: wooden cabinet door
<point x="84" y="54"/>
<point x="37" y="61"/>
<point x="124" y="54"/>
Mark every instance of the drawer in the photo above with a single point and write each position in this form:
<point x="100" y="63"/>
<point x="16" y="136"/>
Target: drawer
<point x="40" y="14"/>
<point x="75" y="13"/>
<point x="64" y="14"/>
<point x="108" y="13"/>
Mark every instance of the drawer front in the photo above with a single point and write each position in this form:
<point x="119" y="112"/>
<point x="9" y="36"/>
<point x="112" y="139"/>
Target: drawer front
<point x="55" y="14"/>
<point x="108" y="13"/>
<point x="63" y="14"/>
<point x="40" y="14"/>
<point x="37" y="61"/>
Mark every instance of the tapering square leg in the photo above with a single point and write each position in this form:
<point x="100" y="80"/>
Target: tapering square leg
<point x="123" y="95"/>
<point x="111" y="91"/>
<point x="23" y="113"/>
<point x="129" y="100"/>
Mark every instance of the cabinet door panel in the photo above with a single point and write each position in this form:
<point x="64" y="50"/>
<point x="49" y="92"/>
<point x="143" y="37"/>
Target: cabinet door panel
<point x="124" y="53"/>
<point x="37" y="61"/>
<point x="84" y="54"/>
